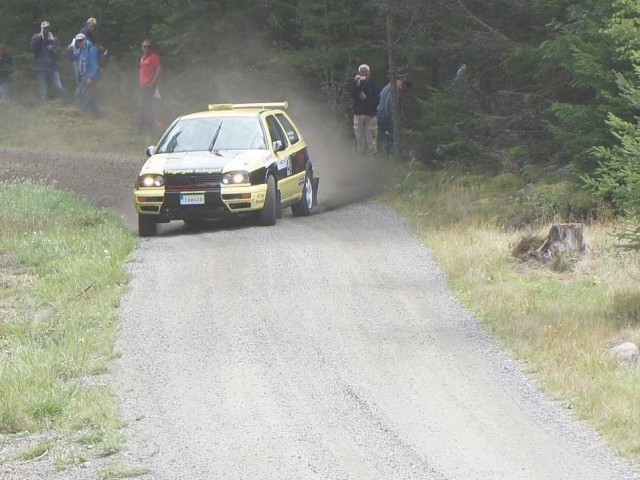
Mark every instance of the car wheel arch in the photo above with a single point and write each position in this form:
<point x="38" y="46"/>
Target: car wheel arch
<point x="272" y="170"/>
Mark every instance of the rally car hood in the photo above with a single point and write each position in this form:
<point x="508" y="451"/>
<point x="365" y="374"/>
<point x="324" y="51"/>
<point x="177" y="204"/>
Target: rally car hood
<point x="222" y="161"/>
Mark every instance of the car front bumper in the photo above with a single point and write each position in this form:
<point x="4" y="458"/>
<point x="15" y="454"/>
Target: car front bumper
<point x="199" y="204"/>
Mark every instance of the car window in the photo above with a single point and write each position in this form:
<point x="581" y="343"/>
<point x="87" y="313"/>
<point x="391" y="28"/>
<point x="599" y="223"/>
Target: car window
<point x="276" y="131"/>
<point x="214" y="133"/>
<point x="292" y="135"/>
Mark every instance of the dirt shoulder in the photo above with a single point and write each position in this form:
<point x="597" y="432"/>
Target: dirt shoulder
<point x="104" y="180"/>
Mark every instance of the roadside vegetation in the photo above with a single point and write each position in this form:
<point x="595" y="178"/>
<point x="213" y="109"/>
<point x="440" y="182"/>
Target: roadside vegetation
<point x="62" y="272"/>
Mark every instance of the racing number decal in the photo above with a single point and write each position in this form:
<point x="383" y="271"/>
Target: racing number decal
<point x="285" y="162"/>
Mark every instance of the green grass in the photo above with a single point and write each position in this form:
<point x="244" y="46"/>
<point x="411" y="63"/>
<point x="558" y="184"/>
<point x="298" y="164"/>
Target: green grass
<point x="63" y="128"/>
<point x="558" y="322"/>
<point x="61" y="277"/>
<point x="37" y="451"/>
<point x="116" y="470"/>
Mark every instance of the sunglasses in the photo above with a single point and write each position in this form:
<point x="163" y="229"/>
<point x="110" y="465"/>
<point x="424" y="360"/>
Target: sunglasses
<point x="146" y="46"/>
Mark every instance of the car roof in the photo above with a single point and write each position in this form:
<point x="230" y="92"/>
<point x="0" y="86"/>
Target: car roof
<point x="238" y="109"/>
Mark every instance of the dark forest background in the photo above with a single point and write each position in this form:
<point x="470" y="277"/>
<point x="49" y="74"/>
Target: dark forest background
<point x="551" y="86"/>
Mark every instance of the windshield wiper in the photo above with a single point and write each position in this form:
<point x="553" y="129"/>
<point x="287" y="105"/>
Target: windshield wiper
<point x="215" y="136"/>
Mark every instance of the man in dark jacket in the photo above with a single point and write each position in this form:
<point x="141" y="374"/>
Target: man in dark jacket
<point x="46" y="52"/>
<point x="385" y="113"/>
<point x="365" y="96"/>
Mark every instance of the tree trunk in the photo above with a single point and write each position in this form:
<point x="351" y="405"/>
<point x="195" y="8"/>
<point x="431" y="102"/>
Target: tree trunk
<point x="565" y="237"/>
<point x="392" y="75"/>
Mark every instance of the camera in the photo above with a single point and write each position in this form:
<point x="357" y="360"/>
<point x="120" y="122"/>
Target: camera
<point x="360" y="78"/>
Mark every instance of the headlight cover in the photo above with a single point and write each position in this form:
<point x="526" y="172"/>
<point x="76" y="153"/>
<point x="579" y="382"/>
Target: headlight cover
<point x="150" y="180"/>
<point x="233" y="178"/>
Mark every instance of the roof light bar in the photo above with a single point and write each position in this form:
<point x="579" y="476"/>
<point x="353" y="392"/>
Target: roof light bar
<point x="235" y="106"/>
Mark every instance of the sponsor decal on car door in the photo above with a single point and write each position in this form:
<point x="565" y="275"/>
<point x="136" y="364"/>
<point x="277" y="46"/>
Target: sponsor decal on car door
<point x="284" y="163"/>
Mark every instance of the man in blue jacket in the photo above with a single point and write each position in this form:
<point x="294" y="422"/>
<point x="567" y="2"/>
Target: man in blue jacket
<point x="46" y="51"/>
<point x="86" y="55"/>
<point x="89" y="30"/>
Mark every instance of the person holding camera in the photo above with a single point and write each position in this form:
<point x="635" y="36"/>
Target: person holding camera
<point x="85" y="56"/>
<point x="46" y="52"/>
<point x="365" y="96"/>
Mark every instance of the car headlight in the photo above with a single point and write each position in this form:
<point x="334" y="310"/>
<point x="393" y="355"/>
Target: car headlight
<point x="149" y="180"/>
<point x="235" y="177"/>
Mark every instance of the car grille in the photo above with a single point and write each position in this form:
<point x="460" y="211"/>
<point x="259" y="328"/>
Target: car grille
<point x="192" y="181"/>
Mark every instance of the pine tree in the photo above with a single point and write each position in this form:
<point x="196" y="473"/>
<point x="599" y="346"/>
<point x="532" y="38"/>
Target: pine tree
<point x="617" y="178"/>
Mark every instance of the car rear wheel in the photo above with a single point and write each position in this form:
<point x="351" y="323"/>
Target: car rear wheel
<point x="304" y="207"/>
<point x="267" y="216"/>
<point x="147" y="226"/>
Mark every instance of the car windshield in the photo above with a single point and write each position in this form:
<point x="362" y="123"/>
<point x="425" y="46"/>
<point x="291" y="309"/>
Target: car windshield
<point x="215" y="133"/>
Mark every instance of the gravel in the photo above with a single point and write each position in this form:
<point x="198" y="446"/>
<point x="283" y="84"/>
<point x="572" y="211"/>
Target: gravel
<point x="324" y="347"/>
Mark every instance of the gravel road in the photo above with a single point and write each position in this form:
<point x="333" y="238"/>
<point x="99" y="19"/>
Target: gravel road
<point x="324" y="347"/>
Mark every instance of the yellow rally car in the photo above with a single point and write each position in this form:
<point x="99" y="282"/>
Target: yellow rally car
<point x="229" y="160"/>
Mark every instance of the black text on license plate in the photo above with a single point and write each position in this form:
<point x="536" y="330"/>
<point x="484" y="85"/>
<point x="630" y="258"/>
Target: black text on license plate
<point x="192" y="199"/>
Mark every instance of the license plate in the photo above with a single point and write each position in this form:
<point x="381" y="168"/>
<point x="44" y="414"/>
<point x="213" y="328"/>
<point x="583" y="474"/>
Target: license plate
<point x="197" y="199"/>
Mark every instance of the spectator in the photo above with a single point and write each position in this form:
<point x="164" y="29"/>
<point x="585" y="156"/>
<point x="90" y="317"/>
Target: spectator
<point x="85" y="56"/>
<point x="365" y="96"/>
<point x="149" y="72"/>
<point x="46" y="51"/>
<point x="459" y="76"/>
<point x="385" y="113"/>
<point x="6" y="73"/>
<point x="91" y="25"/>
<point x="89" y="31"/>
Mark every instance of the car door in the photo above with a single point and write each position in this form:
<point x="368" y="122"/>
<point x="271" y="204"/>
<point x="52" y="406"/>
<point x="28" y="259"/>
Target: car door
<point x="288" y="173"/>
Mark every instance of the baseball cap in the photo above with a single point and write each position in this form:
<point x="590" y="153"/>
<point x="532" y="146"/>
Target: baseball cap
<point x="80" y="36"/>
<point x="44" y="24"/>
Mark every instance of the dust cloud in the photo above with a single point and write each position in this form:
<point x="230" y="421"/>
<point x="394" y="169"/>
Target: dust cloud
<point x="345" y="176"/>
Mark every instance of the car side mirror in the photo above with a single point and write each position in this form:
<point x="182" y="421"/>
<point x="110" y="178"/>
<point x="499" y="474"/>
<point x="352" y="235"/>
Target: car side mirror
<point x="150" y="150"/>
<point x="278" y="146"/>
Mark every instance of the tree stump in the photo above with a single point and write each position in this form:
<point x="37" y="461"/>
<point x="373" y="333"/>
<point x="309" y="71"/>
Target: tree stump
<point x="565" y="237"/>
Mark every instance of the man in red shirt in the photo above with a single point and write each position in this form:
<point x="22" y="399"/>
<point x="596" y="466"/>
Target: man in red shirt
<point x="150" y="69"/>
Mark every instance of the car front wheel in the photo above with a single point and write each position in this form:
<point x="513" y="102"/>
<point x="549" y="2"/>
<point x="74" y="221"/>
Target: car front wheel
<point x="305" y="205"/>
<point x="147" y="226"/>
<point x="267" y="216"/>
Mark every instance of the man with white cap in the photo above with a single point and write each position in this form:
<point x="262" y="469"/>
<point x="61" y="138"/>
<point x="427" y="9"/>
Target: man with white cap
<point x="365" y="96"/>
<point x="46" y="51"/>
<point x="85" y="56"/>
<point x="89" y="30"/>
